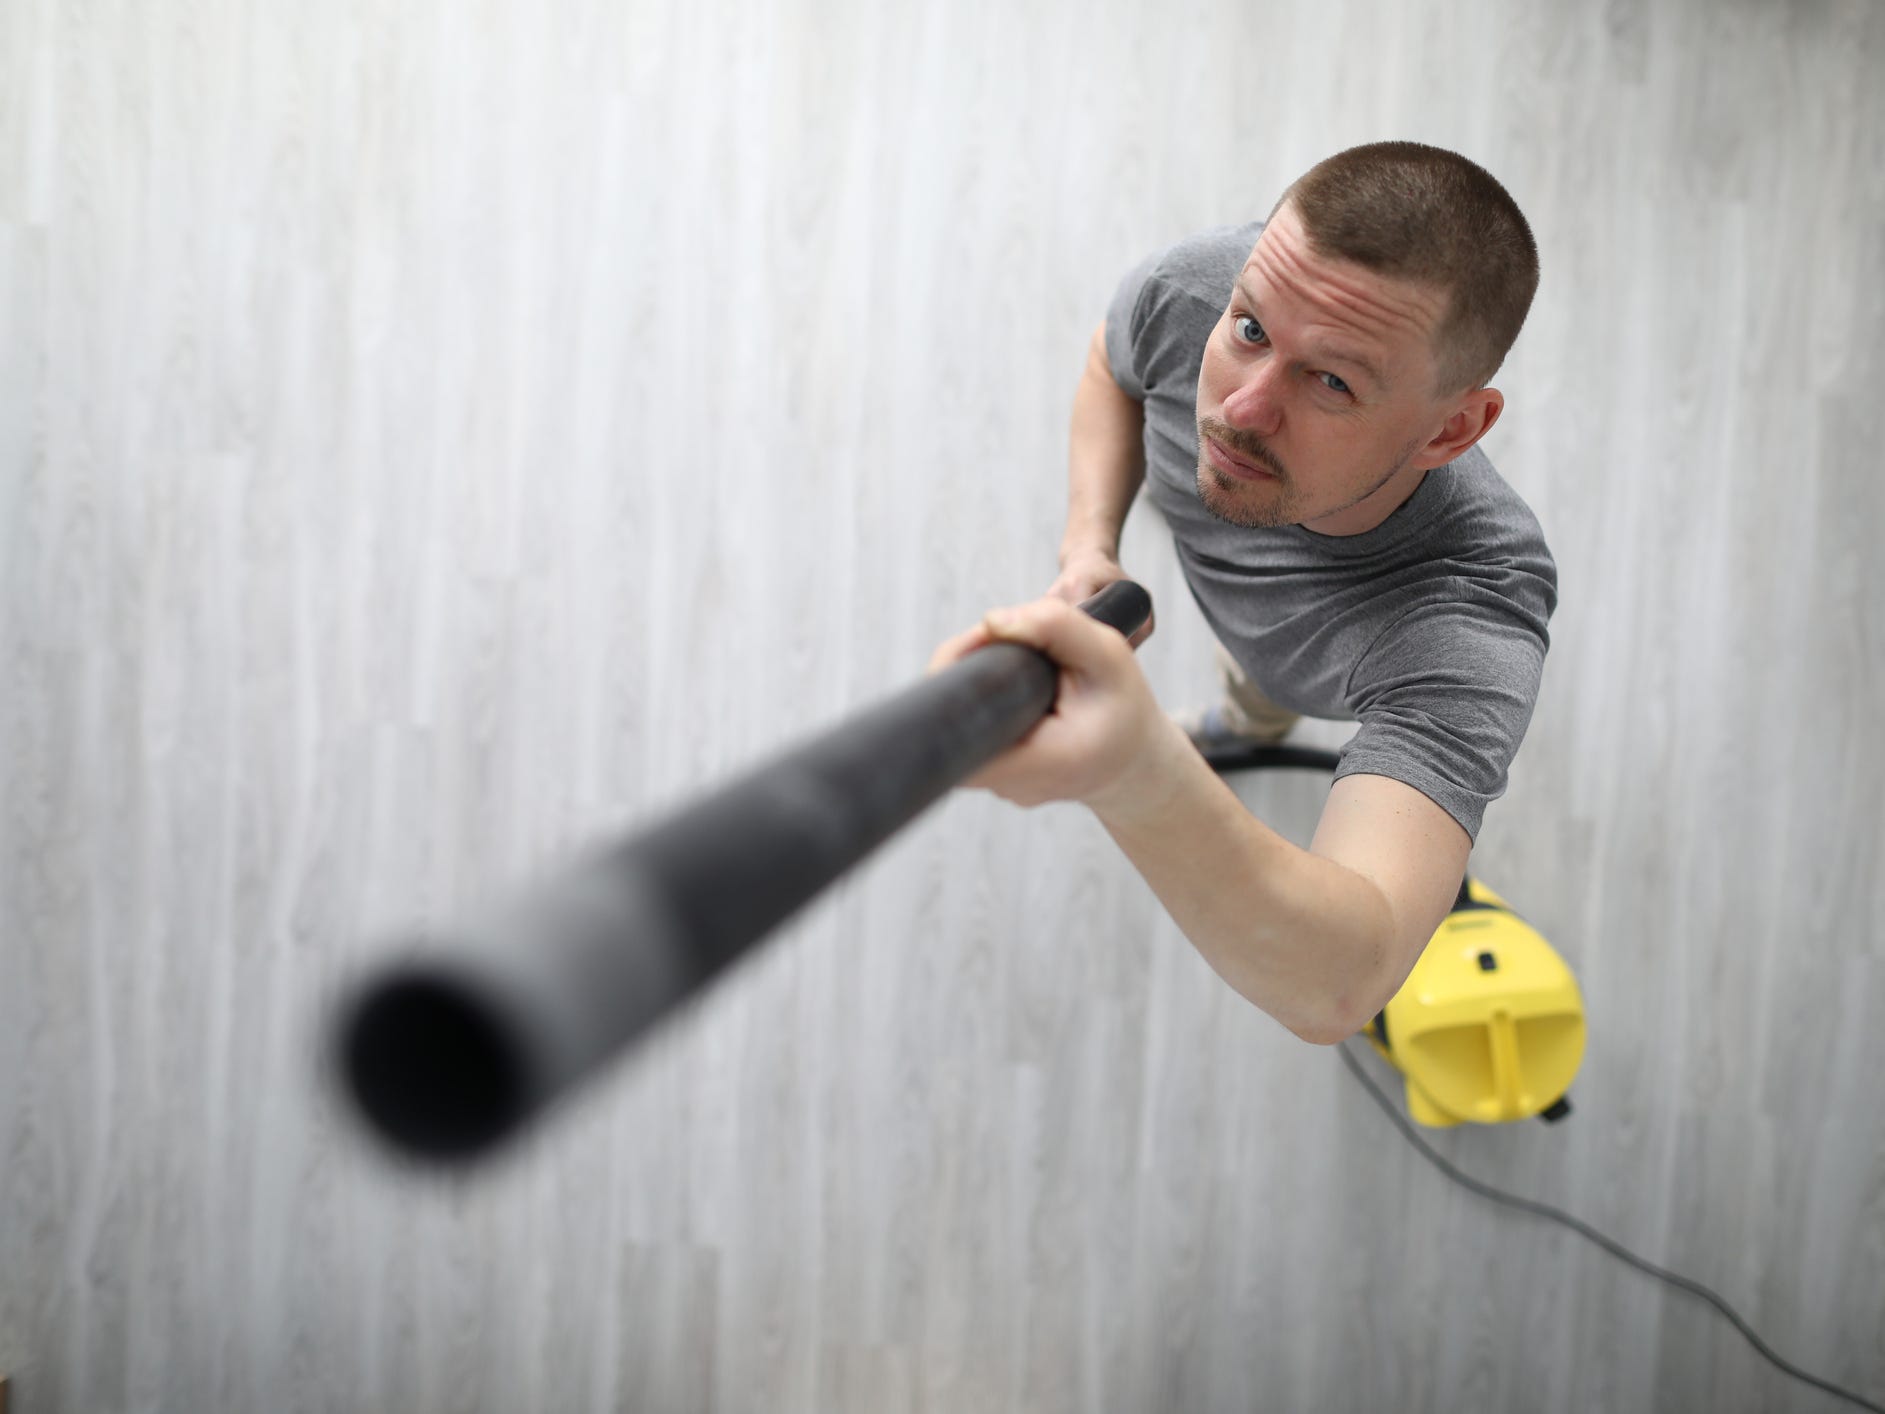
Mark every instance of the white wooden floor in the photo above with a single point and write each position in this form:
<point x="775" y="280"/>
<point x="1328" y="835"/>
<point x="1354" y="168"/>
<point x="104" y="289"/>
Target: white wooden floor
<point x="435" y="436"/>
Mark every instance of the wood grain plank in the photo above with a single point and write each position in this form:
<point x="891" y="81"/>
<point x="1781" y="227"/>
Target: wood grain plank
<point x="433" y="439"/>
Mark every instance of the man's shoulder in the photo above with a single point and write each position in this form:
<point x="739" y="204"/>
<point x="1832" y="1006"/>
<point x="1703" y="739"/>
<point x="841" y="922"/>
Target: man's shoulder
<point x="1167" y="306"/>
<point x="1204" y="264"/>
<point x="1488" y="534"/>
<point x="1489" y="509"/>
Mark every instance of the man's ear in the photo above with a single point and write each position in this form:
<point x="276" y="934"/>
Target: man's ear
<point x="1472" y="418"/>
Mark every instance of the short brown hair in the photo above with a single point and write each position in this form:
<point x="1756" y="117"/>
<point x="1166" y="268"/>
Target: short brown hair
<point x="1431" y="217"/>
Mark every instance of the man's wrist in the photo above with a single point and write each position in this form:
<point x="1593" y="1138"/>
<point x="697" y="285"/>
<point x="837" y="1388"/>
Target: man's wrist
<point x="1088" y="545"/>
<point x="1143" y="794"/>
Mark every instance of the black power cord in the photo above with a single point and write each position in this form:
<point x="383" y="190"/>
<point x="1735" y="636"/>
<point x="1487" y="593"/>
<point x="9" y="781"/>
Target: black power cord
<point x="1243" y="756"/>
<point x="1406" y="1127"/>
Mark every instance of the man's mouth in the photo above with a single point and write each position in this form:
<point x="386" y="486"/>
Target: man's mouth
<point x="1232" y="464"/>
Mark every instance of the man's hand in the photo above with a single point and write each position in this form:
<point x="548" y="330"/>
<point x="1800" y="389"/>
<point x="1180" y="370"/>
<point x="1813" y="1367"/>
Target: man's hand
<point x="1084" y="573"/>
<point x="1106" y="742"/>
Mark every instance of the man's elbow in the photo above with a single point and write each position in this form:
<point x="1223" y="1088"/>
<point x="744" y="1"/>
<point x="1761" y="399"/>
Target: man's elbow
<point x="1343" y="1017"/>
<point x="1326" y="1034"/>
<point x="1323" y="1027"/>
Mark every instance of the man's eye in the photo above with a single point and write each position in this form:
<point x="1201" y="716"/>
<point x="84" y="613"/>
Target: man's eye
<point x="1334" y="383"/>
<point x="1243" y="319"/>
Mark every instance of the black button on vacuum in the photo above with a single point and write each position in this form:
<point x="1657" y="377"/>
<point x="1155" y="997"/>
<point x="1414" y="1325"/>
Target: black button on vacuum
<point x="1487" y="962"/>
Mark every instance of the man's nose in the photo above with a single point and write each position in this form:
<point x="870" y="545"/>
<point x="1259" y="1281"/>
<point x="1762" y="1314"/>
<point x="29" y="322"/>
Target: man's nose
<point x="1256" y="403"/>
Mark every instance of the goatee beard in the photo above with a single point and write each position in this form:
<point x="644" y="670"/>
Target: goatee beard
<point x="1217" y="493"/>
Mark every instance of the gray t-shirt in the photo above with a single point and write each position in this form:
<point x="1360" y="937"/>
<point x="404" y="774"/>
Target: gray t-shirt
<point x="1429" y="630"/>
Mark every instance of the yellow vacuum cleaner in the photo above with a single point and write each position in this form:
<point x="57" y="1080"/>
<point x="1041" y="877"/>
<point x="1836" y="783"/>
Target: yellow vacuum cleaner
<point x="1489" y="1026"/>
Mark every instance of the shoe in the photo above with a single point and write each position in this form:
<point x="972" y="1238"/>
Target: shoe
<point x="1213" y="735"/>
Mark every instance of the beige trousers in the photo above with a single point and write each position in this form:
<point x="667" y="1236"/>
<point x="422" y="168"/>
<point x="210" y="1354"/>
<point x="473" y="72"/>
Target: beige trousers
<point x="1246" y="710"/>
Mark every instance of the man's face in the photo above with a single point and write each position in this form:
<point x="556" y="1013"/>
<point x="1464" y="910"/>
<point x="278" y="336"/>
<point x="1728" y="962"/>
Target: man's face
<point x="1319" y="380"/>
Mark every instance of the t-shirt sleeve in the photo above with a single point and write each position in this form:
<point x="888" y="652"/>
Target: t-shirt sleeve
<point x="1166" y="307"/>
<point x="1444" y="697"/>
<point x="1127" y="331"/>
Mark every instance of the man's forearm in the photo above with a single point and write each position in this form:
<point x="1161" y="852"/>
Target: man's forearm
<point x="1105" y="462"/>
<point x="1302" y="937"/>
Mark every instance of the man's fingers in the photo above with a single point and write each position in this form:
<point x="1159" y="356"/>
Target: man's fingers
<point x="1071" y="638"/>
<point x="1083" y="577"/>
<point x="1100" y="696"/>
<point x="1075" y="640"/>
<point x="954" y="649"/>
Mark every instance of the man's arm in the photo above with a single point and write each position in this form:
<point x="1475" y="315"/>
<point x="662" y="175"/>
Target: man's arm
<point x="1410" y="849"/>
<point x="1299" y="936"/>
<point x="1318" y="938"/>
<point x="1105" y="468"/>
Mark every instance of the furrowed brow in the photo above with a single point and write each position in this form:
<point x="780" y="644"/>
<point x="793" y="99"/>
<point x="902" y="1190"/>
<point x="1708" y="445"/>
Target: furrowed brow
<point x="1352" y="360"/>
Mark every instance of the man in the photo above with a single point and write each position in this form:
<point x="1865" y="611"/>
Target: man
<point x="1303" y="398"/>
